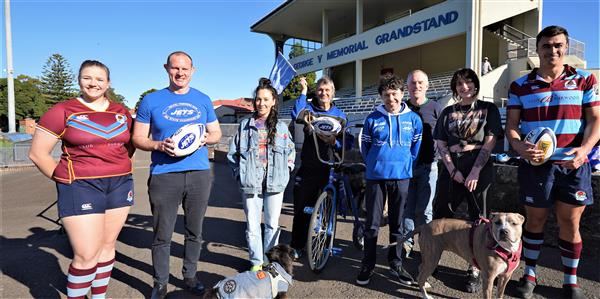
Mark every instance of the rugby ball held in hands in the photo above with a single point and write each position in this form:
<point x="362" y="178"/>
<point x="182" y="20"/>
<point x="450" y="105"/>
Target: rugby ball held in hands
<point x="188" y="139"/>
<point x="326" y="126"/>
<point x="543" y="138"/>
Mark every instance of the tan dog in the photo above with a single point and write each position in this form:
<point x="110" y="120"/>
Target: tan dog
<point x="494" y="247"/>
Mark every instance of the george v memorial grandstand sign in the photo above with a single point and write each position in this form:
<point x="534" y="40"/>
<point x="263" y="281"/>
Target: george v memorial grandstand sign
<point x="435" y="23"/>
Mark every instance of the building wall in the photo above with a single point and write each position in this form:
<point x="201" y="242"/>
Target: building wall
<point x="427" y="57"/>
<point x="343" y="75"/>
<point x="527" y="22"/>
<point x="493" y="11"/>
<point x="494" y="49"/>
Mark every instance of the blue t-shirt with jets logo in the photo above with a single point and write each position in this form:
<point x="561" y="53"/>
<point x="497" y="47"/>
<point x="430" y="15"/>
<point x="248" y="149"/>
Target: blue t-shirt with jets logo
<point x="166" y="112"/>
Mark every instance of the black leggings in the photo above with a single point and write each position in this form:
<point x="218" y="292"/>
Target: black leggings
<point x="450" y="194"/>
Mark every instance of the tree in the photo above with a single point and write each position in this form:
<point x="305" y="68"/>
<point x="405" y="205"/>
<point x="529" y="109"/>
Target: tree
<point x="57" y="79"/>
<point x="115" y="97"/>
<point x="29" y="100"/>
<point x="137" y="105"/>
<point x="293" y="89"/>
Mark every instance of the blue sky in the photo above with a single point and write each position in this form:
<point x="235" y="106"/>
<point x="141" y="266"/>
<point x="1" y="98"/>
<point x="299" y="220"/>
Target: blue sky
<point x="134" y="37"/>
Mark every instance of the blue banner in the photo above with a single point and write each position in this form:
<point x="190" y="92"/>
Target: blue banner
<point x="282" y="73"/>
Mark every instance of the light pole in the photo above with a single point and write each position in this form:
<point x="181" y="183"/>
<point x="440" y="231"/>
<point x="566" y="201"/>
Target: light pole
<point x="9" y="69"/>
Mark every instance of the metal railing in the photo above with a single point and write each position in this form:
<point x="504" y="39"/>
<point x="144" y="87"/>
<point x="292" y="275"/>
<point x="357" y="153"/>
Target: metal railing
<point x="18" y="155"/>
<point x="527" y="48"/>
<point x="512" y="33"/>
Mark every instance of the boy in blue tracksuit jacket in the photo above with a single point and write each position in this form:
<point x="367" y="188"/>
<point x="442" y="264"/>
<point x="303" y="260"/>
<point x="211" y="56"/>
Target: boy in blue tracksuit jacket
<point x="390" y="144"/>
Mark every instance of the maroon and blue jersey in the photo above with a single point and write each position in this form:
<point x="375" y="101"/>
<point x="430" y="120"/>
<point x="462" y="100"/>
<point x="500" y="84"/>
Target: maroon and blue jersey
<point x="94" y="143"/>
<point x="558" y="105"/>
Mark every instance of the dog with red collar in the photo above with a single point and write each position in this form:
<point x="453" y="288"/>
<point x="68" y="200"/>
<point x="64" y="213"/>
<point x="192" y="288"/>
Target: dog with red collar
<point x="493" y="246"/>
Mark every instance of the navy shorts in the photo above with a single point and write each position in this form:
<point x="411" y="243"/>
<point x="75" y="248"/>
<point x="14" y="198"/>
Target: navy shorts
<point x="94" y="196"/>
<point x="541" y="185"/>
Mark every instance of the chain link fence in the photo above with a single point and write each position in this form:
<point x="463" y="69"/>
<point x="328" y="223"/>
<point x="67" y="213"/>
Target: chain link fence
<point x="18" y="154"/>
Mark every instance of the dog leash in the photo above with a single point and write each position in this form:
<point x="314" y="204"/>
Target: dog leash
<point x="484" y="214"/>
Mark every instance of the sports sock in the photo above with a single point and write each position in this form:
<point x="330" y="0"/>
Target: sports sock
<point x="79" y="282"/>
<point x="532" y="243"/>
<point x="100" y="283"/>
<point x="570" y="253"/>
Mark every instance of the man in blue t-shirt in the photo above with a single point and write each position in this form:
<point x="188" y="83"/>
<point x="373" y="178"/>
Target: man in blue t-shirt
<point x="176" y="180"/>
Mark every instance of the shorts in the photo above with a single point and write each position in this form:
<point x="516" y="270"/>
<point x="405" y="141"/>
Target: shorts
<point x="541" y="185"/>
<point x="94" y="196"/>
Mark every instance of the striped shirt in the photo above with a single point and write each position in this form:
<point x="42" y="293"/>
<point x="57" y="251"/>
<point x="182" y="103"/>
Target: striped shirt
<point x="558" y="105"/>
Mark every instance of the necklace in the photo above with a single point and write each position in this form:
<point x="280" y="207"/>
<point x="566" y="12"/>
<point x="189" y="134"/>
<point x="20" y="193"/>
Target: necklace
<point x="464" y="123"/>
<point x="458" y="108"/>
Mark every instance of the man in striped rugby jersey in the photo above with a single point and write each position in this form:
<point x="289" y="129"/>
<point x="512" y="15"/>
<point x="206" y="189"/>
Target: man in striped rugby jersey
<point x="563" y="98"/>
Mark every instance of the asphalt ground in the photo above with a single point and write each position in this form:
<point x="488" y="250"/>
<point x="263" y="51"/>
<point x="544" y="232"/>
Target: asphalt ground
<point x="35" y="255"/>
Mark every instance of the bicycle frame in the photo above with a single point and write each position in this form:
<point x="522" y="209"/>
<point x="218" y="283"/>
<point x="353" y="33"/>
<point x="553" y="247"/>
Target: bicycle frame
<point x="341" y="197"/>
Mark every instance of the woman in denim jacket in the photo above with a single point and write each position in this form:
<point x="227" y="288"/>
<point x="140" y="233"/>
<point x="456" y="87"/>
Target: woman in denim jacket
<point x="261" y="155"/>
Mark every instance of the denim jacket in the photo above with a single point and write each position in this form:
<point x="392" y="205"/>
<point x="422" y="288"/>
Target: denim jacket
<point x="244" y="160"/>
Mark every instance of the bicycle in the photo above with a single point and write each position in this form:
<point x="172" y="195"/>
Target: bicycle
<point x="337" y="196"/>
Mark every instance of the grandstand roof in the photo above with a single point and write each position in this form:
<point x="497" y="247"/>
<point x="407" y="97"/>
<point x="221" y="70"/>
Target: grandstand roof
<point x="302" y="18"/>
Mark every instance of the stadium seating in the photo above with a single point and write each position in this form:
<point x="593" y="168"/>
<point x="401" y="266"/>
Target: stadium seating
<point x="439" y="86"/>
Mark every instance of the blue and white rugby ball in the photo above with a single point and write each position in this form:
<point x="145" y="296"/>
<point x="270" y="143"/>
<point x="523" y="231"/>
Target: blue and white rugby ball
<point x="326" y="126"/>
<point x="544" y="139"/>
<point x="188" y="139"/>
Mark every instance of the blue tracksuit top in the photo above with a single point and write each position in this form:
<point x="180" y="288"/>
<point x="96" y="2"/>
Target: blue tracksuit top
<point x="390" y="143"/>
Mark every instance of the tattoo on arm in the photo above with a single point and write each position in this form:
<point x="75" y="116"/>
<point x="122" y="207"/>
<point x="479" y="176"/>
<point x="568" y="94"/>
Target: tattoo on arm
<point x="482" y="158"/>
<point x="445" y="154"/>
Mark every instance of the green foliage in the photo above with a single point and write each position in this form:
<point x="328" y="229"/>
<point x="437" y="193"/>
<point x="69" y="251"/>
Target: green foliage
<point x="5" y="143"/>
<point x="151" y="90"/>
<point x="29" y="100"/>
<point x="115" y="97"/>
<point x="292" y="91"/>
<point x="57" y="80"/>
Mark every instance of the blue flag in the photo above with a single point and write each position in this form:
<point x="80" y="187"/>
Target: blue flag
<point x="282" y="73"/>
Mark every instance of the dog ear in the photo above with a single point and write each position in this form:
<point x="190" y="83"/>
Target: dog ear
<point x="521" y="218"/>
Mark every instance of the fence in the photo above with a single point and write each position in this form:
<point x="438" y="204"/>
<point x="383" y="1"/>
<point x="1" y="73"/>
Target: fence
<point x="18" y="154"/>
<point x="527" y="48"/>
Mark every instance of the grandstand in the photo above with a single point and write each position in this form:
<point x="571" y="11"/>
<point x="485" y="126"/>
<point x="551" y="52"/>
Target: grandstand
<point x="362" y="39"/>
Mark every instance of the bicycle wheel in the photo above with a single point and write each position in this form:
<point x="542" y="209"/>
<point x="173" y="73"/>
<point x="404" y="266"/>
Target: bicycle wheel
<point x="321" y="232"/>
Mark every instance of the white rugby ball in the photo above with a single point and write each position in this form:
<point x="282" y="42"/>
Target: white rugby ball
<point x="326" y="126"/>
<point x="188" y="139"/>
<point x="544" y="139"/>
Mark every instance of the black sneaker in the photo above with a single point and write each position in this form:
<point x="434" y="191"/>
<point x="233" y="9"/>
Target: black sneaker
<point x="159" y="291"/>
<point x="364" y="276"/>
<point x="573" y="292"/>
<point x="473" y="282"/>
<point x="402" y="275"/>
<point x="525" y="288"/>
<point x="193" y="285"/>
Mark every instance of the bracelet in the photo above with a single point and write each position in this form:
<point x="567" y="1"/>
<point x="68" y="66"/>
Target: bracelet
<point x="453" y="173"/>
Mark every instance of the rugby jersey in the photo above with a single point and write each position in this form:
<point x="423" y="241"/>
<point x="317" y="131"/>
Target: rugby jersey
<point x="558" y="105"/>
<point x="94" y="143"/>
